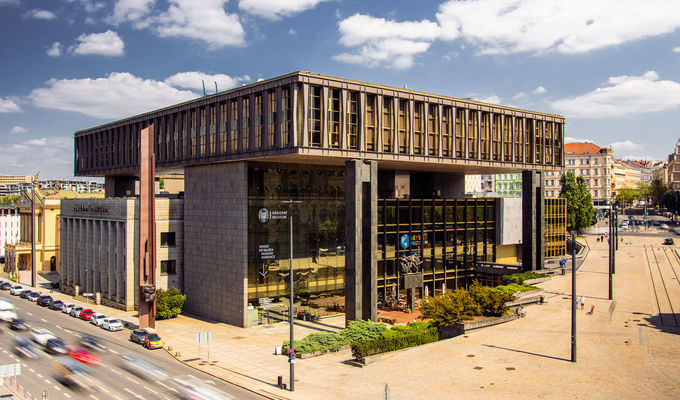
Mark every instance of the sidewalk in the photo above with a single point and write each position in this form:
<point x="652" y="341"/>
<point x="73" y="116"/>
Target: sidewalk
<point x="623" y="356"/>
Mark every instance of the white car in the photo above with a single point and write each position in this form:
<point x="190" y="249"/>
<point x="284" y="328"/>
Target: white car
<point x="75" y="311"/>
<point x="67" y="307"/>
<point x="33" y="297"/>
<point x="16" y="290"/>
<point x="111" y="324"/>
<point x="97" y="319"/>
<point x="7" y="312"/>
<point x="41" y="336"/>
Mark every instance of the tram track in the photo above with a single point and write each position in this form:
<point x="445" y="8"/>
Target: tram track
<point x="664" y="303"/>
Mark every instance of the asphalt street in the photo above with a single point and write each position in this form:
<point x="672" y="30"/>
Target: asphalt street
<point x="38" y="377"/>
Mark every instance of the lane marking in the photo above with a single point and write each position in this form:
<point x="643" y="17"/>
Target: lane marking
<point x="113" y="351"/>
<point x="57" y="388"/>
<point x="122" y="374"/>
<point x="48" y="381"/>
<point x="29" y="314"/>
<point x="32" y="370"/>
<point x="39" y="376"/>
<point x="43" y="319"/>
<point x="72" y="332"/>
<point x="166" y="386"/>
<point x="67" y="395"/>
<point x="151" y="390"/>
<point x="130" y="379"/>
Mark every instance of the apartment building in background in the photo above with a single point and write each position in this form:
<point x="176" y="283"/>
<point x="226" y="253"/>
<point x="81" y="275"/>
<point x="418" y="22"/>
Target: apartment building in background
<point x="673" y="168"/>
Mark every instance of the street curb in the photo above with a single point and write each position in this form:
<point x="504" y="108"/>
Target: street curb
<point x="220" y="378"/>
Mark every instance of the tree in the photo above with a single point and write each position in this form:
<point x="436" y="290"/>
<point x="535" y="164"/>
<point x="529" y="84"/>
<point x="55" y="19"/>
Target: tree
<point x="579" y="203"/>
<point x="10" y="199"/>
<point x="627" y="197"/>
<point x="169" y="303"/>
<point x="656" y="190"/>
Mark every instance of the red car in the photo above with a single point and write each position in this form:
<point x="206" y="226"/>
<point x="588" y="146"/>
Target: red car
<point x="83" y="356"/>
<point x="86" y="314"/>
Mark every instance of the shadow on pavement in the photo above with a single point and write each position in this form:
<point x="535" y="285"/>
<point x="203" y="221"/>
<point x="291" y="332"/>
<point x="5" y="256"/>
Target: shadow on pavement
<point x="666" y="322"/>
<point x="527" y="352"/>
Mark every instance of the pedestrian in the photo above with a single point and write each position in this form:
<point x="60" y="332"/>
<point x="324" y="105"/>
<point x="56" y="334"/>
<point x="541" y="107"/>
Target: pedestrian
<point x="583" y="302"/>
<point x="592" y="309"/>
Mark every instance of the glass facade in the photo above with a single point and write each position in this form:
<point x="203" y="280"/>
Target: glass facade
<point x="447" y="234"/>
<point x="318" y="227"/>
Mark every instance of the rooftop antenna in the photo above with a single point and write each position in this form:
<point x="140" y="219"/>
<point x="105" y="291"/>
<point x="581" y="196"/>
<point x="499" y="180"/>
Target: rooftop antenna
<point x="215" y="87"/>
<point x="203" y="82"/>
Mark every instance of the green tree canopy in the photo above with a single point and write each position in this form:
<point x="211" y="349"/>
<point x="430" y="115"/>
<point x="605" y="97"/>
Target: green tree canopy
<point x="579" y="203"/>
<point x="627" y="197"/>
<point x="656" y="190"/>
<point x="10" y="199"/>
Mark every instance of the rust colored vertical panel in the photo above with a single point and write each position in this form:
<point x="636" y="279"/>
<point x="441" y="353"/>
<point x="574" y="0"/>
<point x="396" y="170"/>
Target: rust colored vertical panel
<point x="147" y="226"/>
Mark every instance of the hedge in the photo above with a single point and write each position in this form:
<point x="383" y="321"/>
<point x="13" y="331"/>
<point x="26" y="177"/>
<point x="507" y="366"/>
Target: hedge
<point x="521" y="277"/>
<point x="333" y="341"/>
<point x="397" y="338"/>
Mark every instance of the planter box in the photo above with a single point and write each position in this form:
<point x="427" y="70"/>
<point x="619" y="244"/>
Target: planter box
<point x="317" y="353"/>
<point x="536" y="280"/>
<point x="460" y="328"/>
<point x="525" y="300"/>
<point x="530" y="293"/>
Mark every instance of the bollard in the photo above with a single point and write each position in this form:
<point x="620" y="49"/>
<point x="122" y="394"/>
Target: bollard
<point x="280" y="382"/>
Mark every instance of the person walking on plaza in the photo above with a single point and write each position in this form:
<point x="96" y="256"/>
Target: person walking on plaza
<point x="583" y="302"/>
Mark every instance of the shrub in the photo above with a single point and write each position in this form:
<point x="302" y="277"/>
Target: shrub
<point x="521" y="277"/>
<point x="333" y="341"/>
<point x="491" y="301"/>
<point x="451" y="307"/>
<point x="399" y="337"/>
<point x="513" y="288"/>
<point x="169" y="303"/>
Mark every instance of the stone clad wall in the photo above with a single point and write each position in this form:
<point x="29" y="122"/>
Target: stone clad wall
<point x="215" y="241"/>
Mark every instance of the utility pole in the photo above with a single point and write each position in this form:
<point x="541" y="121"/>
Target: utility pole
<point x="611" y="252"/>
<point x="34" y="272"/>
<point x="573" y="297"/>
<point x="291" y="356"/>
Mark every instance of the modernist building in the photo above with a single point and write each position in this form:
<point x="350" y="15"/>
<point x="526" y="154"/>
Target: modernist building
<point x="379" y="172"/>
<point x="98" y="247"/>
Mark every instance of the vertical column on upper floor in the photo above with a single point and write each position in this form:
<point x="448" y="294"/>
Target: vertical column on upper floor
<point x="362" y="121"/>
<point x="251" y="123"/>
<point x="281" y="118"/>
<point x="325" y="117"/>
<point x="344" y="115"/>
<point x="411" y="126"/>
<point x="379" y="123"/>
<point x="425" y="138"/>
<point x="395" y="124"/>
<point x="440" y="130"/>
<point x="304" y="134"/>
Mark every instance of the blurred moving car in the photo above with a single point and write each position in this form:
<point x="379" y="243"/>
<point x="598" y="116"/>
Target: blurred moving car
<point x="25" y="348"/>
<point x="669" y="241"/>
<point x="82" y="355"/>
<point x="41" y="336"/>
<point x="142" y="367"/>
<point x="111" y="324"/>
<point x="7" y="312"/>
<point x="73" y="373"/>
<point x="153" y="341"/>
<point x="189" y="387"/>
<point x="138" y="336"/>
<point x="55" y="346"/>
<point x="91" y="343"/>
<point x="18" y="324"/>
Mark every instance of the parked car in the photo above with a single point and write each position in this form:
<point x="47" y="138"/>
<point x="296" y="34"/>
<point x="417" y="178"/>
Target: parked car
<point x="86" y="314"/>
<point x="56" y="305"/>
<point x="96" y="319"/>
<point x="33" y="296"/>
<point x="25" y="348"/>
<point x="112" y="324"/>
<point x="669" y="241"/>
<point x="16" y="290"/>
<point x="5" y="286"/>
<point x="44" y="300"/>
<point x="153" y="341"/>
<point x="41" y="336"/>
<point x="23" y="293"/>
<point x="55" y="346"/>
<point x="664" y="226"/>
<point x="138" y="335"/>
<point x="75" y="311"/>
<point x="18" y="324"/>
<point x="67" y="307"/>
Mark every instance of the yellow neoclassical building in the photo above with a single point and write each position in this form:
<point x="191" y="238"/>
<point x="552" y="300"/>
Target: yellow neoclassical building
<point x="46" y="222"/>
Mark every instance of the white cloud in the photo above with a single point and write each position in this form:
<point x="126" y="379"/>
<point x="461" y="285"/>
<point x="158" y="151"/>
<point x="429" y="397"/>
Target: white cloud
<point x="292" y="32"/>
<point x="117" y="95"/>
<point x="54" y="50"/>
<point x="105" y="44"/>
<point x="8" y="105"/>
<point x="676" y="49"/>
<point x="206" y="21"/>
<point x="40" y="14"/>
<point x="130" y="10"/>
<point x="539" y="90"/>
<point x="576" y="26"/>
<point x="520" y="96"/>
<point x="59" y="150"/>
<point x="89" y="5"/>
<point x="276" y="9"/>
<point x="17" y="130"/>
<point x="621" y="96"/>
<point x="625" y="145"/>
<point x="569" y="139"/>
<point x="384" y="42"/>
<point x="192" y="80"/>
<point x="493" y="99"/>
<point x="8" y="2"/>
<point x="640" y="158"/>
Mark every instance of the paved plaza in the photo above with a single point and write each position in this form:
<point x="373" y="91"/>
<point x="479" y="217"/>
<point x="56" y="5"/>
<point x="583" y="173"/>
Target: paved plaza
<point x="625" y="351"/>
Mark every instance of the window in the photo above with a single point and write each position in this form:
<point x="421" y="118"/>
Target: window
<point x="315" y="116"/>
<point x="595" y="172"/>
<point x="596" y="182"/>
<point x="286" y="114"/>
<point x="223" y="128"/>
<point x="507" y="138"/>
<point x="472" y="134"/>
<point x="334" y="118"/>
<point x="433" y="129"/>
<point x="258" y="121"/>
<point x="496" y="137"/>
<point x="446" y="132"/>
<point x="168" y="267"/>
<point x="245" y="123"/>
<point x="596" y="161"/>
<point x="234" y="126"/>
<point x="202" y="132"/>
<point x="387" y="123"/>
<point x="353" y="120"/>
<point x="485" y="128"/>
<point x="418" y="128"/>
<point x="402" y="123"/>
<point x="271" y="119"/>
<point x="370" y="122"/>
<point x="460" y="118"/>
<point x="167" y="239"/>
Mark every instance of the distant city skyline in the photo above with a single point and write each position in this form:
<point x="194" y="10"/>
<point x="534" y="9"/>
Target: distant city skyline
<point x="75" y="64"/>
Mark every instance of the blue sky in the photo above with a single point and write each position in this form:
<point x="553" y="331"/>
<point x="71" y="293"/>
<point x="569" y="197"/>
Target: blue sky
<point x="611" y="67"/>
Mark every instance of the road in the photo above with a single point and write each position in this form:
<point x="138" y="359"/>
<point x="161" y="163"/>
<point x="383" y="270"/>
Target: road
<point x="116" y="383"/>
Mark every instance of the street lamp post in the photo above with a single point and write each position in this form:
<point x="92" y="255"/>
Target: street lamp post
<point x="573" y="297"/>
<point x="611" y="252"/>
<point x="291" y="357"/>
